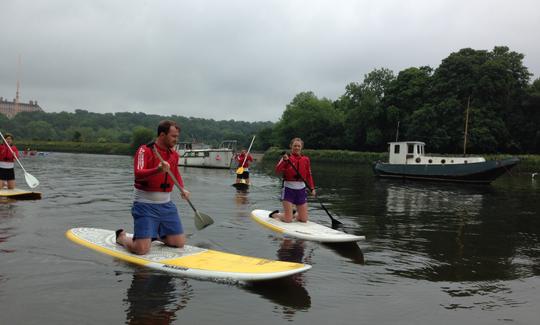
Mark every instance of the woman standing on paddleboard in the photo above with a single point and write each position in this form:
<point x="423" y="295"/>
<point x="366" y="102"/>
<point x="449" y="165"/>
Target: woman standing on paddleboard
<point x="296" y="170"/>
<point x="7" y="173"/>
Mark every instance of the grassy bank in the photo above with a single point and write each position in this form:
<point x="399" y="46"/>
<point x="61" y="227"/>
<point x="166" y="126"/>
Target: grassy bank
<point x="76" y="147"/>
<point x="342" y="156"/>
<point x="528" y="163"/>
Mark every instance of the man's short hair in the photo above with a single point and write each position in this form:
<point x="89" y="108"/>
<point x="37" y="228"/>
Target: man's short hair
<point x="165" y="125"/>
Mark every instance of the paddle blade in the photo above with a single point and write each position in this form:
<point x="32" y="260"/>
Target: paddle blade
<point x="240" y="170"/>
<point x="202" y="220"/>
<point x="336" y="224"/>
<point x="31" y="180"/>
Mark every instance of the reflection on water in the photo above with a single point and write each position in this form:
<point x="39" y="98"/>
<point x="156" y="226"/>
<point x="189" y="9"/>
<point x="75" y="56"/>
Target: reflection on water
<point x="350" y="251"/>
<point x="241" y="198"/>
<point x="7" y="211"/>
<point x="414" y="200"/>
<point x="155" y="297"/>
<point x="449" y="234"/>
<point x="288" y="292"/>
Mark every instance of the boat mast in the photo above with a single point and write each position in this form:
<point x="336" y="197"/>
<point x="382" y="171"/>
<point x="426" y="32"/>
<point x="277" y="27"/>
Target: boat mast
<point x="397" y="131"/>
<point x="466" y="126"/>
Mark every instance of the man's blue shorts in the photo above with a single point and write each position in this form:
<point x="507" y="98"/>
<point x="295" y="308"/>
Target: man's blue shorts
<point x="155" y="220"/>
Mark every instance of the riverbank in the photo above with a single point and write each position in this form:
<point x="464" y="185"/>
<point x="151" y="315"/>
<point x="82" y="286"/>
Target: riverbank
<point x="528" y="163"/>
<point x="105" y="148"/>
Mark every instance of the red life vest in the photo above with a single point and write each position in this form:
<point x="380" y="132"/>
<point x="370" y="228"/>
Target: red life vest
<point x="303" y="166"/>
<point x="147" y="176"/>
<point x="240" y="159"/>
<point x="5" y="153"/>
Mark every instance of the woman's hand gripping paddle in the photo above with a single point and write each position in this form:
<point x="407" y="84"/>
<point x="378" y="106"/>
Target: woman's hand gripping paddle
<point x="335" y="223"/>
<point x="201" y="220"/>
<point x="30" y="180"/>
<point x="240" y="169"/>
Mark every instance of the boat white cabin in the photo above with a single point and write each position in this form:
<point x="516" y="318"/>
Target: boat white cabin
<point x="201" y="155"/>
<point x="412" y="153"/>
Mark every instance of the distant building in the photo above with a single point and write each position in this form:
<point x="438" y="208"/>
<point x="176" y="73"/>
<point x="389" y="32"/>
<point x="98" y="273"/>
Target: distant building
<point x="11" y="109"/>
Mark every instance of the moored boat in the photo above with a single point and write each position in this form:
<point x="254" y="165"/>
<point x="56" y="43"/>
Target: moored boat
<point x="199" y="155"/>
<point x="407" y="159"/>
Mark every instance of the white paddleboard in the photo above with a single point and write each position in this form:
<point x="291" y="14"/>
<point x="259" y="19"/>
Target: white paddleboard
<point x="188" y="261"/>
<point x="304" y="230"/>
<point x="18" y="194"/>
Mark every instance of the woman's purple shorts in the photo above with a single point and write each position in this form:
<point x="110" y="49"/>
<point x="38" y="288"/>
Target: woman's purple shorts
<point x="296" y="197"/>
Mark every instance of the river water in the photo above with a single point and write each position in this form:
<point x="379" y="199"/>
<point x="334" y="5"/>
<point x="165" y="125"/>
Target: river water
<point x="433" y="254"/>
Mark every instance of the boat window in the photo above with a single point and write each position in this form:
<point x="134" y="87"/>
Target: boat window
<point x="207" y="154"/>
<point x="410" y="148"/>
<point x="465" y="161"/>
<point x="396" y="148"/>
<point x="430" y="161"/>
<point x="418" y="160"/>
<point x="443" y="161"/>
<point x="418" y="149"/>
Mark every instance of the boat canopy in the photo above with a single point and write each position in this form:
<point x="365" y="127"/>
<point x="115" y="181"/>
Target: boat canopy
<point x="399" y="152"/>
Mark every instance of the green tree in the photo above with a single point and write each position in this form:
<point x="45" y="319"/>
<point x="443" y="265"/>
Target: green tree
<point x="40" y="130"/>
<point x="314" y="120"/>
<point x="495" y="82"/>
<point x="141" y="135"/>
<point x="366" y="119"/>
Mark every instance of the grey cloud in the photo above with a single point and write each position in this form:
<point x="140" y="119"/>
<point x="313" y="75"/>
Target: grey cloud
<point x="236" y="59"/>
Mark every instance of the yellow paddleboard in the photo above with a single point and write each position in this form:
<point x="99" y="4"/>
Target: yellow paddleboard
<point x="188" y="261"/>
<point x="18" y="194"/>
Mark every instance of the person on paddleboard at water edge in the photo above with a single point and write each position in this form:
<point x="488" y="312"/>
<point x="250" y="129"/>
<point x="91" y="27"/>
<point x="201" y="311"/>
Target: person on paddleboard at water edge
<point x="243" y="160"/>
<point x="296" y="171"/>
<point x="155" y="216"/>
<point x="7" y="171"/>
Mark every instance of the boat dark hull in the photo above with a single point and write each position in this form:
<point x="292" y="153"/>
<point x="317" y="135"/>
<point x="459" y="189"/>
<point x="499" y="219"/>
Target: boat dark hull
<point x="484" y="172"/>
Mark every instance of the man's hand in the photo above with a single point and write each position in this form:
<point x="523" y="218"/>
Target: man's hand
<point x="164" y="167"/>
<point x="185" y="194"/>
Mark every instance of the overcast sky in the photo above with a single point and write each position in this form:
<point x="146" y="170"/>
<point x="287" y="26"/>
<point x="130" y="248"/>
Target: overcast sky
<point x="236" y="59"/>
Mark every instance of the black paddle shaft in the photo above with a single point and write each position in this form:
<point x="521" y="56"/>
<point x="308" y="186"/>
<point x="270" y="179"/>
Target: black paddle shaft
<point x="335" y="223"/>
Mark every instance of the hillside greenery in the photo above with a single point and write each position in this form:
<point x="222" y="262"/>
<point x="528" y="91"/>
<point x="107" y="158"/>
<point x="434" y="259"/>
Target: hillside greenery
<point x="82" y="126"/>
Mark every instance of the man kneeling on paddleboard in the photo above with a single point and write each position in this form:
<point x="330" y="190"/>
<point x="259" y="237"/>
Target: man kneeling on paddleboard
<point x="296" y="170"/>
<point x="154" y="214"/>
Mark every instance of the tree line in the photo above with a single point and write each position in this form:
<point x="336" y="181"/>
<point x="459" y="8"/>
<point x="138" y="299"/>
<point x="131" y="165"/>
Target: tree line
<point x="123" y="127"/>
<point x="424" y="104"/>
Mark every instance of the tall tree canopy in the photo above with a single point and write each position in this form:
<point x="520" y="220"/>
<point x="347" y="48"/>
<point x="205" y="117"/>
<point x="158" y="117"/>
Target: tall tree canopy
<point x="429" y="105"/>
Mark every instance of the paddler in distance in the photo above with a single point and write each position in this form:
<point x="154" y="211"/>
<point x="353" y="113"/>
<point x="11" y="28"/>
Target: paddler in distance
<point x="7" y="158"/>
<point x="243" y="160"/>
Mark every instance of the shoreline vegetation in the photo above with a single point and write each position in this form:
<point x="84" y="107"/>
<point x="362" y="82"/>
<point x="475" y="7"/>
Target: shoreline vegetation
<point x="106" y="148"/>
<point x="527" y="163"/>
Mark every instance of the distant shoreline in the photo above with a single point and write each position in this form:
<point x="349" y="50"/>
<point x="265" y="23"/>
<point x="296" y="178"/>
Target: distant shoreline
<point x="528" y="163"/>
